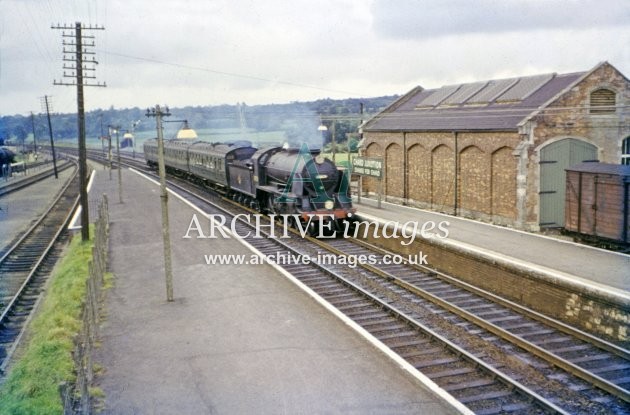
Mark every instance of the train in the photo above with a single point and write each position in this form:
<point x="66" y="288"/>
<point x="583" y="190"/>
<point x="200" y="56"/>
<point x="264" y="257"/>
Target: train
<point x="597" y="204"/>
<point x="6" y="156"/>
<point x="298" y="184"/>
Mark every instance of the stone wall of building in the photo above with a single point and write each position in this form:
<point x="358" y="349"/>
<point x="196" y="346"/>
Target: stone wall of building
<point x="478" y="174"/>
<point x="570" y="117"/>
<point x="481" y="173"/>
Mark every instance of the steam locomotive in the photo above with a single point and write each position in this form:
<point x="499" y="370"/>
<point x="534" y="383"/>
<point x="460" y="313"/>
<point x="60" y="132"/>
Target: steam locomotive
<point x="6" y="156"/>
<point x="299" y="183"/>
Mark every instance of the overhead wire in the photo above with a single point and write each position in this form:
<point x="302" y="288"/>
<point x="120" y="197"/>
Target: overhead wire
<point x="231" y="74"/>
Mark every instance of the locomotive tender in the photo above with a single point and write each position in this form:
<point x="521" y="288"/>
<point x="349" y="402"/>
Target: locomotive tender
<point x="273" y="180"/>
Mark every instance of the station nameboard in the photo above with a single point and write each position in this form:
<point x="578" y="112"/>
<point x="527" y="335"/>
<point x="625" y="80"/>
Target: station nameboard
<point x="368" y="166"/>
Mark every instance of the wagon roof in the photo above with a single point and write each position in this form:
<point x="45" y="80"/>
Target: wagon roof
<point x="498" y="104"/>
<point x="602" y="168"/>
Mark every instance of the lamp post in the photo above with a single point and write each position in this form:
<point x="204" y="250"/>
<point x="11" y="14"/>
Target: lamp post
<point x="116" y="129"/>
<point x="109" y="150"/>
<point x="322" y="128"/>
<point x="133" y="138"/>
<point x="158" y="113"/>
<point x="102" y="137"/>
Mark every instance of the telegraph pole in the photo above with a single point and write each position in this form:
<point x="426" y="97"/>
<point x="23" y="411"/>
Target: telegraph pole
<point x="79" y="64"/>
<point x="46" y="104"/>
<point x="158" y="114"/>
<point x="34" y="137"/>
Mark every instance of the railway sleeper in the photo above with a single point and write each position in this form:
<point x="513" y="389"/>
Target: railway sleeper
<point x="519" y="325"/>
<point x="409" y="343"/>
<point x="434" y="362"/>
<point x="451" y="372"/>
<point x="616" y="367"/>
<point x="379" y="331"/>
<point x="383" y="318"/>
<point x="540" y="332"/>
<point x="453" y="298"/>
<point x="478" y="396"/>
<point x="452" y="384"/>
<point x="516" y="407"/>
<point x="412" y="353"/>
<point x="357" y="314"/>
<point x="590" y="358"/>
<point x="360" y="303"/>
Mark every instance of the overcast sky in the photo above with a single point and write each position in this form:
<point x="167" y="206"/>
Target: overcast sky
<point x="208" y="52"/>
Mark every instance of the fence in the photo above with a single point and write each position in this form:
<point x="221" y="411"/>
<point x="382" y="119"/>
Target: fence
<point x="76" y="397"/>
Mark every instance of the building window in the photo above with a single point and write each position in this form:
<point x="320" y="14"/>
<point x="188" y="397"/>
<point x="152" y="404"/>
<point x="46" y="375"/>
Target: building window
<point x="625" y="151"/>
<point x="603" y="101"/>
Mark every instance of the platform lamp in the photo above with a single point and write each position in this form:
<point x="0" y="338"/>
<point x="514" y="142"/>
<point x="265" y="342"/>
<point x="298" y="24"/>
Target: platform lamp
<point x="186" y="133"/>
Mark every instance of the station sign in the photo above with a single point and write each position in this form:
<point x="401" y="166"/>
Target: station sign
<point x="368" y="166"/>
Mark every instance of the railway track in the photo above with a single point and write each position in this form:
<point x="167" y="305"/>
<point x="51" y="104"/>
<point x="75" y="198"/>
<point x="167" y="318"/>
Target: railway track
<point x="26" y="265"/>
<point x="562" y="345"/>
<point x="15" y="185"/>
<point x="443" y="327"/>
<point x="476" y="385"/>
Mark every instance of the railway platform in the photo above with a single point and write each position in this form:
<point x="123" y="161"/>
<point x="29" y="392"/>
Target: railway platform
<point x="586" y="265"/>
<point x="20" y="208"/>
<point x="236" y="339"/>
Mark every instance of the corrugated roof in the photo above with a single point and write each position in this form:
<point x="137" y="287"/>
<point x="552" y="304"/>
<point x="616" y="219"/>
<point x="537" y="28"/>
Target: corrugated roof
<point x="489" y="105"/>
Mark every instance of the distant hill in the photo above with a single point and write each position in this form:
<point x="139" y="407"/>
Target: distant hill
<point x="290" y="118"/>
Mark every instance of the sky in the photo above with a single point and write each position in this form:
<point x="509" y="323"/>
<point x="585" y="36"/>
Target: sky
<point x="213" y="52"/>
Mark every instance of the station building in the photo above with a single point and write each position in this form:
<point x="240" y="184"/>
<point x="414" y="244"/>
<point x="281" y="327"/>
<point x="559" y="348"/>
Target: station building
<point x="497" y="150"/>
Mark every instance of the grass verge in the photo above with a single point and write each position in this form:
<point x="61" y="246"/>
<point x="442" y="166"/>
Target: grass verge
<point x="46" y="360"/>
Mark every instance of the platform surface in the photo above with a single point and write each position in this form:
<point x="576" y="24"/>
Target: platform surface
<point x="584" y="262"/>
<point x="19" y="209"/>
<point x="236" y="340"/>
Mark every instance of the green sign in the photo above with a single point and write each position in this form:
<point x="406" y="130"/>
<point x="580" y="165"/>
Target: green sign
<point x="368" y="166"/>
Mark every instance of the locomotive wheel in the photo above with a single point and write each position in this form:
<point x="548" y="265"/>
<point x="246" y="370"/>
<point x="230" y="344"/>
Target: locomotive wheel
<point x="313" y="229"/>
<point x="270" y="206"/>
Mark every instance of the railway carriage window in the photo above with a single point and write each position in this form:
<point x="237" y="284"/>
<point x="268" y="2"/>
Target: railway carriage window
<point x="602" y="101"/>
<point x="625" y="151"/>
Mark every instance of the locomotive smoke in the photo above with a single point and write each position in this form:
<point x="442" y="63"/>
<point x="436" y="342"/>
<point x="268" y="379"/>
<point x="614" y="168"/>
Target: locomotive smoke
<point x="300" y="129"/>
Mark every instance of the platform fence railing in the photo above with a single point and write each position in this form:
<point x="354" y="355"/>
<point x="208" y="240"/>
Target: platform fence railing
<point x="76" y="397"/>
